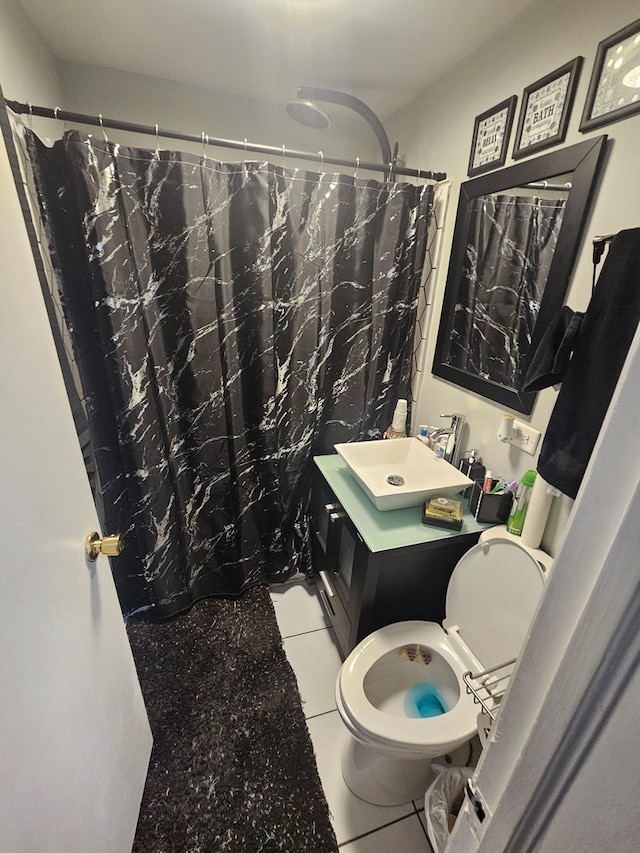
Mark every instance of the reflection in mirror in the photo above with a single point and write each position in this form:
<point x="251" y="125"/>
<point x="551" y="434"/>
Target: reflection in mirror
<point x="516" y="236"/>
<point x="512" y="238"/>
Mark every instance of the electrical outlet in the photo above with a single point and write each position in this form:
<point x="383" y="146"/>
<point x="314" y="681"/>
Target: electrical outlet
<point x="525" y="437"/>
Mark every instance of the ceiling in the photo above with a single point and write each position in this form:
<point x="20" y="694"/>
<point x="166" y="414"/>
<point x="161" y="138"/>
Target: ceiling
<point x="383" y="51"/>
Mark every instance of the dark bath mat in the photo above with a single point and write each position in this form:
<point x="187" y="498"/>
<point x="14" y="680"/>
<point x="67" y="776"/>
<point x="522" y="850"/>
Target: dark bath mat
<point x="232" y="767"/>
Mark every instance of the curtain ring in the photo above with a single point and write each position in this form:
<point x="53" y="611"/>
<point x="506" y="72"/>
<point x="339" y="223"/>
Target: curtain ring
<point x="205" y="136"/>
<point x="30" y="108"/>
<point x="355" y="174"/>
<point x="56" y="110"/>
<point x="157" y="142"/>
<point x="104" y="132"/>
<point x="321" y="161"/>
<point x="245" y="167"/>
<point x="283" y="157"/>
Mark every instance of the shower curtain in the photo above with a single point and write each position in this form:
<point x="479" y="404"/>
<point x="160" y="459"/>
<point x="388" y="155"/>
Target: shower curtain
<point x="511" y="244"/>
<point x="230" y="321"/>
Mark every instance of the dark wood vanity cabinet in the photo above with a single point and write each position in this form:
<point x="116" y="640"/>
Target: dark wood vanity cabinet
<point x="341" y="560"/>
<point x="363" y="588"/>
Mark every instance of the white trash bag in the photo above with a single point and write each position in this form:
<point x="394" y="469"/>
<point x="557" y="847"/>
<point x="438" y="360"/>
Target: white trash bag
<point x="442" y="802"/>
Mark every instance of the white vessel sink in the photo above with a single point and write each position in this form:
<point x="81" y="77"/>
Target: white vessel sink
<point x="400" y="472"/>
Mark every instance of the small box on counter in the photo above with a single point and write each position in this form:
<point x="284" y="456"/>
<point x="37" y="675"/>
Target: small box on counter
<point x="489" y="509"/>
<point x="443" y="512"/>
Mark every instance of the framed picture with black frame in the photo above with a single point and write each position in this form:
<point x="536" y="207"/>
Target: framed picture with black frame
<point x="545" y="109"/>
<point x="614" y="88"/>
<point x="491" y="134"/>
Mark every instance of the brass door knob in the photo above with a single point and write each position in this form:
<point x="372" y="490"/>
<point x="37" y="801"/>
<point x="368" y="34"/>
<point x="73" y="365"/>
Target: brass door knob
<point x="110" y="546"/>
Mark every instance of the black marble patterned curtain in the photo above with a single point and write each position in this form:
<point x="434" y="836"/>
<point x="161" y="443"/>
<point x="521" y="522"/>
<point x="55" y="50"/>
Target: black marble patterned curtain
<point x="230" y="322"/>
<point x="512" y="240"/>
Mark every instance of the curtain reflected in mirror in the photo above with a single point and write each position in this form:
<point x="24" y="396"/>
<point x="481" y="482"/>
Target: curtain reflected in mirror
<point x="512" y="240"/>
<point x="517" y="234"/>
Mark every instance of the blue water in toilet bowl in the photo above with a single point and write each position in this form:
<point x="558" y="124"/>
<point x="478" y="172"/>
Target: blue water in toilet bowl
<point x="424" y="700"/>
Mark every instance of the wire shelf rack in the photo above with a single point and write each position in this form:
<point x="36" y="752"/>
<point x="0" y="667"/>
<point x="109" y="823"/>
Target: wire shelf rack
<point x="489" y="686"/>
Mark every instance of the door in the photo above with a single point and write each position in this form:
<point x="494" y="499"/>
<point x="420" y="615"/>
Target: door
<point x="560" y="770"/>
<point x="74" y="736"/>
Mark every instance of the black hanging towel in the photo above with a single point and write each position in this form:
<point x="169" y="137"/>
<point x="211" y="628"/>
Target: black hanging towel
<point x="552" y="357"/>
<point x="607" y="330"/>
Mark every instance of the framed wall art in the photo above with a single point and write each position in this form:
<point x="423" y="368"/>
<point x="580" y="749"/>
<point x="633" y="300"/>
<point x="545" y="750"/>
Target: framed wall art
<point x="545" y="109"/>
<point x="491" y="134"/>
<point x="614" y="89"/>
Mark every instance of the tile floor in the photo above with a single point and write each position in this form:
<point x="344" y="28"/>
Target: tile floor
<point x="310" y="647"/>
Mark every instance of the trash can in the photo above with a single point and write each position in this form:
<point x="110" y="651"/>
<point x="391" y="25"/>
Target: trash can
<point x="442" y="803"/>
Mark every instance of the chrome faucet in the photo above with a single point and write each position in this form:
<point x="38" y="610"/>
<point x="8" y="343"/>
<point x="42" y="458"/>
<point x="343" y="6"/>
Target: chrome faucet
<point x="453" y="431"/>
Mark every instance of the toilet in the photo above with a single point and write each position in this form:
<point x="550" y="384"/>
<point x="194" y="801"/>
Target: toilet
<point x="401" y="693"/>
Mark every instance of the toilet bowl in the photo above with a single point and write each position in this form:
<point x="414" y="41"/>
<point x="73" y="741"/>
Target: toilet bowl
<point x="401" y="693"/>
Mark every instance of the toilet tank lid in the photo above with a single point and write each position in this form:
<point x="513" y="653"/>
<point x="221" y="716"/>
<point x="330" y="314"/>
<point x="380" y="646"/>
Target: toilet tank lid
<point x="492" y="597"/>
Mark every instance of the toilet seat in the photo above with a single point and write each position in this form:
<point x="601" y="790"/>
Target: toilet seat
<point x="408" y="735"/>
<point x="491" y="599"/>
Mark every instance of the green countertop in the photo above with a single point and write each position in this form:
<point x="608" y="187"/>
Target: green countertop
<point x="395" y="528"/>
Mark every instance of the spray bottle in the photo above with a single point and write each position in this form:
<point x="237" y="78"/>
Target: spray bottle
<point x="515" y="522"/>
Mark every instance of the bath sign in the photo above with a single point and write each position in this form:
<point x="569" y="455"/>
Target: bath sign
<point x="545" y="109"/>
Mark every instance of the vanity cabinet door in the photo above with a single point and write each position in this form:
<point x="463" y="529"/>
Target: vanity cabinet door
<point x="332" y="559"/>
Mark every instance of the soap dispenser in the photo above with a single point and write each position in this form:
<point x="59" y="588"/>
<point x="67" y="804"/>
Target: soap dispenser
<point x="471" y="465"/>
<point x="398" y="428"/>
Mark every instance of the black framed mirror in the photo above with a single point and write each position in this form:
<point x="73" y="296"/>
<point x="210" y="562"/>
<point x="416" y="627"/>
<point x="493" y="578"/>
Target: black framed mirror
<point x="516" y="238"/>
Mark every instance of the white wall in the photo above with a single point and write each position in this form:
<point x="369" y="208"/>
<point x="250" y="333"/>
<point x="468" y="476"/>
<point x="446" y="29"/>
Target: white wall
<point x="178" y="106"/>
<point x="436" y="129"/>
<point x="28" y="70"/>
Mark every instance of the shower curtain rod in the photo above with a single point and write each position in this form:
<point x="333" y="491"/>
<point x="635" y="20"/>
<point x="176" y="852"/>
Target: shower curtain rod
<point x="318" y="156"/>
<point x="543" y="185"/>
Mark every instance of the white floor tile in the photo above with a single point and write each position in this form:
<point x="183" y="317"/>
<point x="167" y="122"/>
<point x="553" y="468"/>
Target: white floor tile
<point x="423" y="820"/>
<point x="298" y="608"/>
<point x="350" y="815"/>
<point x="315" y="661"/>
<point x="407" y="836"/>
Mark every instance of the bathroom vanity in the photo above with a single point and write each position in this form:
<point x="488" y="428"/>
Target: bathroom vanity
<point x="374" y="568"/>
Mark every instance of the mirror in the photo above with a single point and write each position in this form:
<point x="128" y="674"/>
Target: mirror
<point x="516" y="237"/>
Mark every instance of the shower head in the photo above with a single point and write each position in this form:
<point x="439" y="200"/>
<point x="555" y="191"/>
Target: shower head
<point x="308" y="113"/>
